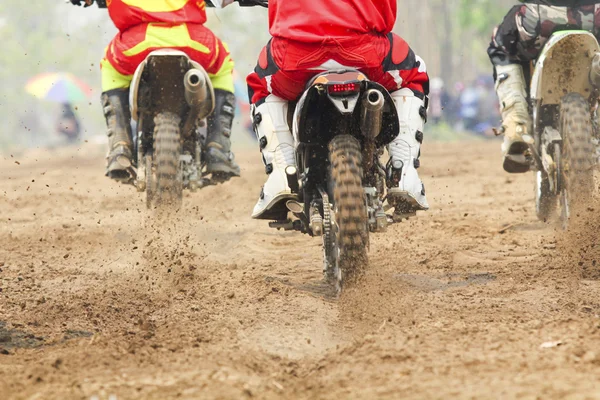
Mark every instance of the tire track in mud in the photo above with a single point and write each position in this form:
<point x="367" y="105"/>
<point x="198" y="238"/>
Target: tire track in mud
<point x="212" y="304"/>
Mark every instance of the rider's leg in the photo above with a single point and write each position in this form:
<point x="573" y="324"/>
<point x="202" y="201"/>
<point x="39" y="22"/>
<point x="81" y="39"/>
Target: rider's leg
<point x="516" y="42"/>
<point x="516" y="120"/>
<point x="405" y="76"/>
<point x="406" y="191"/>
<point x="115" y="103"/>
<point x="504" y="52"/>
<point x="270" y="92"/>
<point x="220" y="159"/>
<point x="277" y="148"/>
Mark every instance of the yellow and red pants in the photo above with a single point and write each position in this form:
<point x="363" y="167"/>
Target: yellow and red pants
<point x="129" y="48"/>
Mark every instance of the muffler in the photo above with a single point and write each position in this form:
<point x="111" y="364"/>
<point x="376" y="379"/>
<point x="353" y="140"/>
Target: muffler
<point x="196" y="91"/>
<point x="197" y="95"/>
<point x="372" y="113"/>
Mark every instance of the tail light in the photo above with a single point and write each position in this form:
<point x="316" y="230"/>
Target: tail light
<point x="343" y="89"/>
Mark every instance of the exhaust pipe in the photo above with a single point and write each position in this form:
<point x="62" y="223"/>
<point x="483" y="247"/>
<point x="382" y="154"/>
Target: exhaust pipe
<point x="372" y="113"/>
<point x="195" y="87"/>
<point x="196" y="95"/>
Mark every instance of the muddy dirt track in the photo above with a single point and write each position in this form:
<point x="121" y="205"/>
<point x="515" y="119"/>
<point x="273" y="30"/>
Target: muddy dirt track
<point x="97" y="300"/>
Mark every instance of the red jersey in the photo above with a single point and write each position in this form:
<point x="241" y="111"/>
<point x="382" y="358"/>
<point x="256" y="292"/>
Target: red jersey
<point x="128" y="13"/>
<point x="313" y="21"/>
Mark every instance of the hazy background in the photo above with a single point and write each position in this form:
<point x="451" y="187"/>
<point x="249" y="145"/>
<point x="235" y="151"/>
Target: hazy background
<point x="50" y="35"/>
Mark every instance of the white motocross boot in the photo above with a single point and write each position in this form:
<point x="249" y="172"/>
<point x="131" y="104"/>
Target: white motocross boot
<point x="277" y="147"/>
<point x="516" y="121"/>
<point x="406" y="191"/>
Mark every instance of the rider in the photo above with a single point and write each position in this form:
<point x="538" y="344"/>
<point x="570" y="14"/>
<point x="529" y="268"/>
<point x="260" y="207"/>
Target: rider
<point x="516" y="42"/>
<point x="145" y="26"/>
<point x="343" y="34"/>
<point x="68" y="124"/>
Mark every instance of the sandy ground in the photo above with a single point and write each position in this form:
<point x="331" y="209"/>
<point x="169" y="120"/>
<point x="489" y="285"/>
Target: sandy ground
<point x="98" y="301"/>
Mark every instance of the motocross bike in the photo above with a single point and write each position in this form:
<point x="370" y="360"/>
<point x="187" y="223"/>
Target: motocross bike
<point x="170" y="98"/>
<point x="171" y="95"/>
<point x="341" y="124"/>
<point x="564" y="100"/>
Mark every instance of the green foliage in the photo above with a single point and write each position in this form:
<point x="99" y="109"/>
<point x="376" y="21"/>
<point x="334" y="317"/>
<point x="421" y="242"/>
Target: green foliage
<point x="481" y="15"/>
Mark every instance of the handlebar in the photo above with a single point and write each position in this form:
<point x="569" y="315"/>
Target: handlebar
<point x="244" y="3"/>
<point x="87" y="3"/>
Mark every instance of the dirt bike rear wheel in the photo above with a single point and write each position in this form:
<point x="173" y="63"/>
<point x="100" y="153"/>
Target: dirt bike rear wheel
<point x="351" y="234"/>
<point x="577" y="175"/>
<point x="167" y="187"/>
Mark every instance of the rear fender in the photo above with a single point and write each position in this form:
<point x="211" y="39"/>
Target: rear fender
<point x="303" y="126"/>
<point x="310" y="114"/>
<point x="134" y="92"/>
<point x="298" y="115"/>
<point x="134" y="89"/>
<point x="563" y="67"/>
<point x="344" y="104"/>
<point x="316" y="87"/>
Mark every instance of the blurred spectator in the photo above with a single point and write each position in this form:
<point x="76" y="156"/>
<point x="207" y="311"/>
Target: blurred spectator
<point x="438" y="101"/>
<point x="453" y="108"/>
<point x="474" y="107"/>
<point x="489" y="108"/>
<point x="68" y="124"/>
<point x="469" y="107"/>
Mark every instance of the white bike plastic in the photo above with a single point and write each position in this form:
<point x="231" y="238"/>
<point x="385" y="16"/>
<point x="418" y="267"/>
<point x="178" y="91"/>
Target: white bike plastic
<point x="564" y="66"/>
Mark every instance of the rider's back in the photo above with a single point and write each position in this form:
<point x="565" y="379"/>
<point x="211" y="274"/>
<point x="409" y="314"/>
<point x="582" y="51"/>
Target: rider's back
<point x="128" y="13"/>
<point x="292" y="19"/>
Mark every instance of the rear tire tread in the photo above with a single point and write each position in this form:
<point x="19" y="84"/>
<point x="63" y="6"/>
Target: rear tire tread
<point x="167" y="150"/>
<point x="349" y="199"/>
<point x="576" y="129"/>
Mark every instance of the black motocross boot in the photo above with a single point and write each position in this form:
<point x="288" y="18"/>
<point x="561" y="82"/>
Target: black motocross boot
<point x="220" y="160"/>
<point x="120" y="144"/>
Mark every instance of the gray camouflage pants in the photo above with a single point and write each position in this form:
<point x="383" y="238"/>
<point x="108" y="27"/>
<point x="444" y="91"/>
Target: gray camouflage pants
<point x="526" y="28"/>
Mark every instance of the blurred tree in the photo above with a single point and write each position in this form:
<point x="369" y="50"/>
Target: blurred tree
<point x="46" y="35"/>
<point x="41" y="38"/>
<point x="245" y="30"/>
<point x="451" y="35"/>
<point x="480" y="15"/>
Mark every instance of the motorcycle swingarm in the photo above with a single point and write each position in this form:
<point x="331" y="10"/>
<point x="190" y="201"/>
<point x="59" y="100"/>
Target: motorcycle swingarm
<point x="546" y="162"/>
